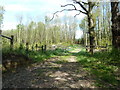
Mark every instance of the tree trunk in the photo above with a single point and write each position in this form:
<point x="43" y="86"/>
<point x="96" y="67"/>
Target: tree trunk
<point x="91" y="33"/>
<point x="91" y="27"/>
<point x="115" y="24"/>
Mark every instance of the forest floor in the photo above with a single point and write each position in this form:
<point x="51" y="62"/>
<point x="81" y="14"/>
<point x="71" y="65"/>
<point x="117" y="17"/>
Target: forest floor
<point x="57" y="72"/>
<point x="73" y="68"/>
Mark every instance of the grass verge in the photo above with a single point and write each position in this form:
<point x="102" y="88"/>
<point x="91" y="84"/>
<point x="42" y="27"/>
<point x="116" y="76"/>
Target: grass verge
<point x="103" y="65"/>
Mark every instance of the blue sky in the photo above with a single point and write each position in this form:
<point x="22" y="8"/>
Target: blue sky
<point x="34" y="10"/>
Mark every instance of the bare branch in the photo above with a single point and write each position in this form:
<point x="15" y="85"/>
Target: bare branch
<point x="69" y="5"/>
<point x="81" y="5"/>
<point x="75" y="9"/>
<point x="82" y="12"/>
<point x="85" y="3"/>
<point x="77" y="14"/>
<point x="60" y="11"/>
<point x="67" y="10"/>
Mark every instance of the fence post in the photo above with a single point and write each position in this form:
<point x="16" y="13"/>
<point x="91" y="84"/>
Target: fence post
<point x="11" y="42"/>
<point x="42" y="48"/>
<point x="32" y="48"/>
<point x="45" y="47"/>
<point x="0" y="32"/>
<point x="27" y="46"/>
<point x="107" y="47"/>
<point x="0" y="38"/>
<point x="36" y="46"/>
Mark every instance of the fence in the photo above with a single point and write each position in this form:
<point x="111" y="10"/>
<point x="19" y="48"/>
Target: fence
<point x="100" y="48"/>
<point x="10" y="38"/>
<point x="43" y="47"/>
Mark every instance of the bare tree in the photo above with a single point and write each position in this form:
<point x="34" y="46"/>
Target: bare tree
<point x="87" y="10"/>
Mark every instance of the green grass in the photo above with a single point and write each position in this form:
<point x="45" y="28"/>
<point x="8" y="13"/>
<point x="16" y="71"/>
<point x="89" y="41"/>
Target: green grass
<point x="103" y="65"/>
<point x="35" y="55"/>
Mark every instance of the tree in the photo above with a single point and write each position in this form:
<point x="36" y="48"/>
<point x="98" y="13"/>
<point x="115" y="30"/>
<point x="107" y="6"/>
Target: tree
<point x="115" y="10"/>
<point x="1" y="15"/>
<point x="87" y="10"/>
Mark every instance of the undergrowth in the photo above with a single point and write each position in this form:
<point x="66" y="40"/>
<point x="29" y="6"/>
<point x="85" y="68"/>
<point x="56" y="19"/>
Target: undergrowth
<point x="35" y="55"/>
<point x="103" y="65"/>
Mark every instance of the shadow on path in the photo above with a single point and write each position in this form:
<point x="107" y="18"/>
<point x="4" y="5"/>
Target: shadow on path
<point x="57" y="72"/>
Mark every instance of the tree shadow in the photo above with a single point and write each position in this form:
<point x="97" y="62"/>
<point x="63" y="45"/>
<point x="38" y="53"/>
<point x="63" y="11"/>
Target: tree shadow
<point x="89" y="71"/>
<point x="49" y="75"/>
<point x="101" y="66"/>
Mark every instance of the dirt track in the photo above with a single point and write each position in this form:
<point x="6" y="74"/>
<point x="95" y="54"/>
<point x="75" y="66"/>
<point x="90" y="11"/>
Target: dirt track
<point x="56" y="72"/>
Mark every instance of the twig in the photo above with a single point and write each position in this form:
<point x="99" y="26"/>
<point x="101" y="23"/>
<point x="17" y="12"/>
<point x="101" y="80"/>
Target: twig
<point x="77" y="14"/>
<point x="69" y="5"/>
<point x="75" y="9"/>
<point x="60" y="11"/>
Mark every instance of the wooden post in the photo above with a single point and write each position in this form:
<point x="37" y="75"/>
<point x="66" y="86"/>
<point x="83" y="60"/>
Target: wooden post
<point x="0" y="51"/>
<point x="36" y="46"/>
<point x="21" y="46"/>
<point x="86" y="42"/>
<point x="0" y="32"/>
<point x="32" y="48"/>
<point x="11" y="42"/>
<point x="0" y="38"/>
<point x="27" y="47"/>
<point x="45" y="47"/>
<point x="42" y="48"/>
<point x="107" y="46"/>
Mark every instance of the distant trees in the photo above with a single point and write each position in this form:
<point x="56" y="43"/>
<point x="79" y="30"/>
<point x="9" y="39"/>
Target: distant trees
<point x="96" y="26"/>
<point x="1" y="15"/>
<point x="104" y="18"/>
<point x="86" y="8"/>
<point x="101" y="15"/>
<point x="46" y="33"/>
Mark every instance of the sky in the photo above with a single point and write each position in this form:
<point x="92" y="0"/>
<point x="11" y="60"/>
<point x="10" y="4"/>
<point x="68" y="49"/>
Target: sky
<point x="35" y="10"/>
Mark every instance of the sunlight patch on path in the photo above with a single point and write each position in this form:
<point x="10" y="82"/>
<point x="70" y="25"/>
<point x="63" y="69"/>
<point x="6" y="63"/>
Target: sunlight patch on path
<point x="76" y="50"/>
<point x="71" y="59"/>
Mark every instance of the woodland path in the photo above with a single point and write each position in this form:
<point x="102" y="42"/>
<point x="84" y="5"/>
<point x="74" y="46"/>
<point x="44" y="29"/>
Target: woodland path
<point x="56" y="72"/>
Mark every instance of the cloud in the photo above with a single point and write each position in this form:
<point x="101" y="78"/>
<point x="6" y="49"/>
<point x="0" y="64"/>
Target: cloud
<point x="67" y="13"/>
<point x="14" y="7"/>
<point x="33" y="8"/>
<point x="57" y="2"/>
<point x="9" y="25"/>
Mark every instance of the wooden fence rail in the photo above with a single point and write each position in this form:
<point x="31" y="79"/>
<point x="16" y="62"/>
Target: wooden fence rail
<point x="10" y="38"/>
<point x="37" y="48"/>
<point x="102" y="48"/>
